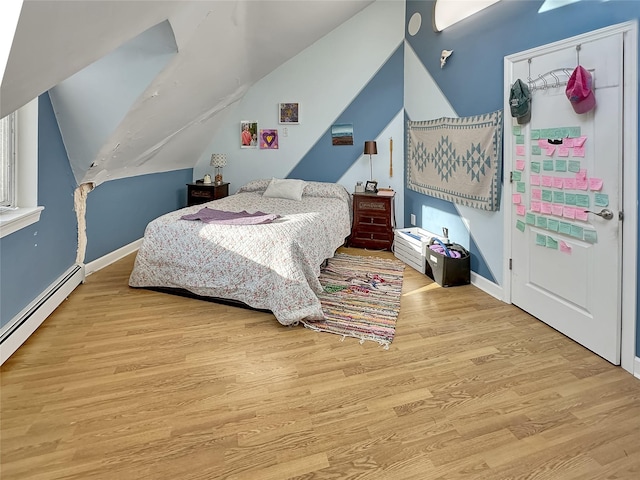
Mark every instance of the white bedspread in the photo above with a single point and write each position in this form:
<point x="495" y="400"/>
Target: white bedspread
<point x="273" y="266"/>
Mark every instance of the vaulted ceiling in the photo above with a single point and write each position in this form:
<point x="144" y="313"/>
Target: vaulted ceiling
<point x="135" y="82"/>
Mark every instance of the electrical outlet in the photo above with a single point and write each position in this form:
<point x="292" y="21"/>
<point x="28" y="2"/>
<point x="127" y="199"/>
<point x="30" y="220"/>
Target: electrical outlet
<point x="413" y="219"/>
<point x="285" y="132"/>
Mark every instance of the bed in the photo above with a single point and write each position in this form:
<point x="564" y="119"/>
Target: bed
<point x="270" y="266"/>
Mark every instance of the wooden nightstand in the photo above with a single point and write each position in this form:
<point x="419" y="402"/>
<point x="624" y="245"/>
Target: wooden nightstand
<point x="373" y="222"/>
<point x="198" y="193"/>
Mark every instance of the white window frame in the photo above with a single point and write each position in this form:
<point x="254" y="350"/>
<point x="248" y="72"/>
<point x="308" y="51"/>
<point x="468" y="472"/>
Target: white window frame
<point x="25" y="210"/>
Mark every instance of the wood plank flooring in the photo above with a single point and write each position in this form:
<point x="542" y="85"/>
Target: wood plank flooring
<point x="122" y="383"/>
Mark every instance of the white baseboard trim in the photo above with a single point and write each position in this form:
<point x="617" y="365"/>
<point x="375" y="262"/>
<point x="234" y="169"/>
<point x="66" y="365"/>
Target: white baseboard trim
<point x="487" y="286"/>
<point x="112" y="257"/>
<point x="16" y="332"/>
<point x="636" y="368"/>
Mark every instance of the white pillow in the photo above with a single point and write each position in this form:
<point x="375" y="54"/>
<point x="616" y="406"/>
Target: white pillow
<point x="285" y="188"/>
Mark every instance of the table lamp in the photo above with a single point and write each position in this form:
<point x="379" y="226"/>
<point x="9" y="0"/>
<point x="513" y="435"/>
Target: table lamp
<point x="218" y="160"/>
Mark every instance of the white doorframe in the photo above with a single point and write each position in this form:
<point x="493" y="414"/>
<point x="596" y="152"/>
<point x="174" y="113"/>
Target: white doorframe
<point x="630" y="177"/>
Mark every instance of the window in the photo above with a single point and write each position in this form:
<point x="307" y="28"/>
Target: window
<point x="19" y="205"/>
<point x="448" y="12"/>
<point x="7" y="160"/>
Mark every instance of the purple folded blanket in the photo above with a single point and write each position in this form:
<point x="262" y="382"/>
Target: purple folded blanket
<point x="209" y="215"/>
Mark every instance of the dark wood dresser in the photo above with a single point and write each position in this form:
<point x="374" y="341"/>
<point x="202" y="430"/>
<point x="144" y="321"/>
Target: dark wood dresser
<point x="373" y="222"/>
<point x="198" y="193"/>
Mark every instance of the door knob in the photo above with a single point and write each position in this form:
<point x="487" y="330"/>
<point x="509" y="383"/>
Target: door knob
<point x="604" y="213"/>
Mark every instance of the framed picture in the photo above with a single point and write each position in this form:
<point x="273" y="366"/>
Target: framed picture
<point x="371" y="186"/>
<point x="248" y="134"/>
<point x="342" y="134"/>
<point x="268" y="139"/>
<point x="289" y="113"/>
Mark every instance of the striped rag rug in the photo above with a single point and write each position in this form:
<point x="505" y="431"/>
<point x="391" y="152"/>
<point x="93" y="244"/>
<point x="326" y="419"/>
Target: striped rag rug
<point x="361" y="297"/>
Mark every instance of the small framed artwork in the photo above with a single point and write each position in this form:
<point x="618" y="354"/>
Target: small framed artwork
<point x="342" y="134"/>
<point x="268" y="139"/>
<point x="371" y="186"/>
<point x="248" y="134"/>
<point x="289" y="113"/>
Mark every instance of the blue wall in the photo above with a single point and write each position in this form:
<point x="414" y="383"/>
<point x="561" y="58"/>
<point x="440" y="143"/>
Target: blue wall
<point x="371" y="111"/>
<point x="118" y="211"/>
<point x="34" y="257"/>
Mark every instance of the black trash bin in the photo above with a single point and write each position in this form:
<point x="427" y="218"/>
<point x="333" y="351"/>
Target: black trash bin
<point x="449" y="271"/>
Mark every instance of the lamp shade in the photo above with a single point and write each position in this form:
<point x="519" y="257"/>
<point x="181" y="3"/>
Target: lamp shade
<point x="218" y="160"/>
<point x="370" y="147"/>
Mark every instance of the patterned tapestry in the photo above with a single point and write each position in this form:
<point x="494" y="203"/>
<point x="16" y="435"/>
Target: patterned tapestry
<point x="457" y="159"/>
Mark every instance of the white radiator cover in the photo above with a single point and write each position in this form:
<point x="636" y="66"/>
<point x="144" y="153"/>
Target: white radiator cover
<point x="16" y="332"/>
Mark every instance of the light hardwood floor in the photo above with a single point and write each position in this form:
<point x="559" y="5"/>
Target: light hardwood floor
<point x="122" y="383"/>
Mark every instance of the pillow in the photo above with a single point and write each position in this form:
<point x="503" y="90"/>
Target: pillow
<point x="285" y="188"/>
<point x="254" y="186"/>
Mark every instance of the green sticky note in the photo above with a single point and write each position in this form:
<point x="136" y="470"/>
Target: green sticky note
<point x="535" y="167"/>
<point x="519" y="139"/>
<point x="541" y="222"/>
<point x="545" y="132"/>
<point x="547" y="165"/>
<point x="553" y="224"/>
<point x="574" y="132"/>
<point x="541" y="240"/>
<point x="569" y="198"/>
<point x="516" y="175"/>
<point x="552" y="243"/>
<point x="561" y="165"/>
<point x="520" y="225"/>
<point x="535" y="150"/>
<point x="582" y="200"/>
<point x="558" y="197"/>
<point x="520" y="187"/>
<point x="530" y="218"/>
<point x="535" y="134"/>
<point x="516" y="129"/>
<point x="590" y="236"/>
<point x="576" y="231"/>
<point x="574" y="166"/>
<point x="565" y="228"/>
<point x="547" y="195"/>
<point x="601" y="199"/>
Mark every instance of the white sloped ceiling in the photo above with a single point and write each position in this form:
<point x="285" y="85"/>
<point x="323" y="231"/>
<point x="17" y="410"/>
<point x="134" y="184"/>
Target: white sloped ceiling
<point x="127" y="107"/>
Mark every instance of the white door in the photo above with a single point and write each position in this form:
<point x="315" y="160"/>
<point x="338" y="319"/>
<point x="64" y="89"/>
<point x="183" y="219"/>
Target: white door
<point x="566" y="264"/>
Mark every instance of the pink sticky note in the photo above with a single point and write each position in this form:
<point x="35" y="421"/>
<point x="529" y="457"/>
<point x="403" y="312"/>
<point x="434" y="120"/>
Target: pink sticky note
<point x="545" y="207"/>
<point x="543" y="142"/>
<point x="579" y="142"/>
<point x="520" y="150"/>
<point x="581" y="184"/>
<point x="536" y="193"/>
<point x="558" y="182"/>
<point x="567" y="142"/>
<point x="569" y="212"/>
<point x="547" y="181"/>
<point x="556" y="209"/>
<point x="535" y="205"/>
<point x="550" y="150"/>
<point x="570" y="183"/>
<point x="520" y="165"/>
<point x="581" y="215"/>
<point x="520" y="210"/>
<point x="564" y="248"/>
<point x="516" y="198"/>
<point x="582" y="174"/>
<point x="595" y="183"/>
<point x="534" y="179"/>
<point x="578" y="151"/>
<point x="563" y="151"/>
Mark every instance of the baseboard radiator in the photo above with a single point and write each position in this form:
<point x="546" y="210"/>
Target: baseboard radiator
<point x="16" y="332"/>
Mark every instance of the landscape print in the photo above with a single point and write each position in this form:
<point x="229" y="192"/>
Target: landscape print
<point x="342" y="134"/>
